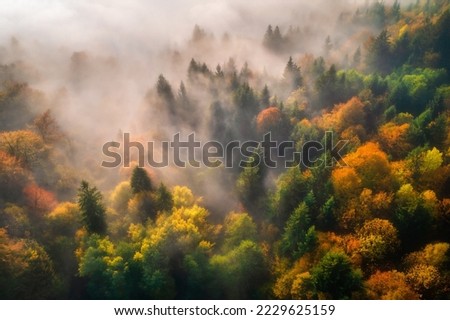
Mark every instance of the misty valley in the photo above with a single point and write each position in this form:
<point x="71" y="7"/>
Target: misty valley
<point x="225" y="150"/>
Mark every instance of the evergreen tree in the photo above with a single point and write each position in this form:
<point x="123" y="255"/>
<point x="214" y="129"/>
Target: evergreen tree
<point x="292" y="75"/>
<point x="92" y="209"/>
<point x="164" y="91"/>
<point x="335" y="278"/>
<point x="265" y="97"/>
<point x="299" y="235"/>
<point x="379" y="54"/>
<point x="273" y="39"/>
<point x="164" y="199"/>
<point x="140" y="181"/>
<point x="250" y="186"/>
<point x="326" y="86"/>
<point x="395" y="13"/>
<point x="268" y="37"/>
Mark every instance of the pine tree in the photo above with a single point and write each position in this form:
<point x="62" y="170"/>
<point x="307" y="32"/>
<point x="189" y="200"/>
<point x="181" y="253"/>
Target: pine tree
<point x="299" y="235"/>
<point x="140" y="181"/>
<point x="164" y="199"/>
<point x="396" y="11"/>
<point x="164" y="90"/>
<point x="183" y="99"/>
<point x="379" y="53"/>
<point x="292" y="75"/>
<point x="92" y="210"/>
<point x="265" y="97"/>
<point x="268" y="37"/>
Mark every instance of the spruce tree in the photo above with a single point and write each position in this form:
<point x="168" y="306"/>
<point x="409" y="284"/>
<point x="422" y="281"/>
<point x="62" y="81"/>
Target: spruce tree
<point x="140" y="181"/>
<point x="92" y="209"/>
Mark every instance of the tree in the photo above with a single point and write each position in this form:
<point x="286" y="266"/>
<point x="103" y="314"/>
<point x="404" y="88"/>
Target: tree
<point x="432" y="160"/>
<point x="47" y="127"/>
<point x="378" y="14"/>
<point x="13" y="177"/>
<point x="442" y="33"/>
<point x="246" y="104"/>
<point x="238" y="227"/>
<point x="26" y="146"/>
<point x="103" y="269"/>
<point x="164" y="91"/>
<point x="183" y="197"/>
<point x="426" y="280"/>
<point x="299" y="235"/>
<point x="92" y="209"/>
<point x="335" y="278"/>
<point x="395" y="11"/>
<point x="186" y="110"/>
<point x="198" y="34"/>
<point x="16" y="100"/>
<point x="274" y="121"/>
<point x="39" y="199"/>
<point x="143" y="206"/>
<point x="346" y="183"/>
<point x="379" y="53"/>
<point x="273" y="40"/>
<point x="292" y="188"/>
<point x="411" y="218"/>
<point x="265" y="97"/>
<point x="357" y="57"/>
<point x="394" y="139"/>
<point x="268" y="36"/>
<point x="26" y="270"/>
<point x="163" y="198"/>
<point x="390" y="285"/>
<point x="240" y="272"/>
<point x="378" y="240"/>
<point x="250" y="186"/>
<point x="292" y="75"/>
<point x="120" y="196"/>
<point x="372" y="167"/>
<point x="140" y="181"/>
<point x="327" y="87"/>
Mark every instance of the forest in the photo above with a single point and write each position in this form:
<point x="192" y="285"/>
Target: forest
<point x="374" y="226"/>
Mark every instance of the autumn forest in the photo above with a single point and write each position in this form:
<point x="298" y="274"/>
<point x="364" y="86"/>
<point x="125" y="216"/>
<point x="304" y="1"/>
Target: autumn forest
<point x="375" y="225"/>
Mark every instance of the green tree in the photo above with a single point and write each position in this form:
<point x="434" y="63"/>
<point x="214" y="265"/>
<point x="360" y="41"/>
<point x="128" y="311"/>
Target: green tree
<point x="299" y="235"/>
<point x="292" y="188"/>
<point x="240" y="273"/>
<point x="335" y="278"/>
<point x="239" y="227"/>
<point x="292" y="75"/>
<point x="165" y="93"/>
<point x="379" y="54"/>
<point x="250" y="187"/>
<point x="103" y="269"/>
<point x="140" y="181"/>
<point x="395" y="11"/>
<point x="265" y="97"/>
<point x="327" y="87"/>
<point x="92" y="209"/>
<point x="163" y="198"/>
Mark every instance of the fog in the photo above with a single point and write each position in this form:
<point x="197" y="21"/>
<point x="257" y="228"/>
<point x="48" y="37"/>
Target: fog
<point x="97" y="63"/>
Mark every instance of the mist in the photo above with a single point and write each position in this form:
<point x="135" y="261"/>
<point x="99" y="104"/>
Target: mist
<point x="97" y="64"/>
